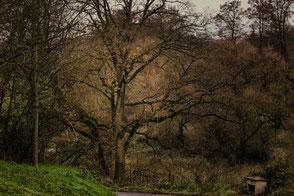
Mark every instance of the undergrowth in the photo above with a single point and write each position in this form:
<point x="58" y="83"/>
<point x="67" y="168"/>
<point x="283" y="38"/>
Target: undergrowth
<point x="188" y="187"/>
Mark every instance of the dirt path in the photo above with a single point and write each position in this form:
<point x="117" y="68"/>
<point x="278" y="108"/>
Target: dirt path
<point x="137" y="194"/>
<point x="145" y="194"/>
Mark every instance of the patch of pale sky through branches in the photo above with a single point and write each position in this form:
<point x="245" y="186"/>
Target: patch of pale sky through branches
<point x="212" y="7"/>
<point x="213" y="4"/>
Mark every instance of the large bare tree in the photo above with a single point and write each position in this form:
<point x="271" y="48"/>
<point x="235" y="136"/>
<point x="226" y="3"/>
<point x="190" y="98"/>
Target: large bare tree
<point x="130" y="39"/>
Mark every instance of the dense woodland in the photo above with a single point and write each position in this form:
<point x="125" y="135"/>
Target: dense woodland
<point x="150" y="91"/>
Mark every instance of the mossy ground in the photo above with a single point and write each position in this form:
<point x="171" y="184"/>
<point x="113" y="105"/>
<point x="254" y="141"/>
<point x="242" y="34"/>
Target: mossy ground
<point x="24" y="179"/>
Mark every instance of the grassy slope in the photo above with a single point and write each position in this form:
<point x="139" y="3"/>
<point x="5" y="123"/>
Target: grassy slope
<point x="24" y="179"/>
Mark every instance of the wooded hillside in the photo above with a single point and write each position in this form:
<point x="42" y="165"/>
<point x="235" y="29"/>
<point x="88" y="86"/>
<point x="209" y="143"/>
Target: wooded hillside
<point x="142" y="92"/>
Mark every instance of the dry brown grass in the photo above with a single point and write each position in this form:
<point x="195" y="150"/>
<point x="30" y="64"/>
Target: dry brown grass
<point x="144" y="167"/>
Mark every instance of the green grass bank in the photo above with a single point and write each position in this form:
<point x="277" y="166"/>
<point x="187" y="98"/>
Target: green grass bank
<point x="24" y="179"/>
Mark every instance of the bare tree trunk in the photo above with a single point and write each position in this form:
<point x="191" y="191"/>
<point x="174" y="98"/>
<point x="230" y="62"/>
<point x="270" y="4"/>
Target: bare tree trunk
<point x="35" y="80"/>
<point x="36" y="111"/>
<point x="119" y="154"/>
<point x="99" y="156"/>
<point x="119" y="167"/>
